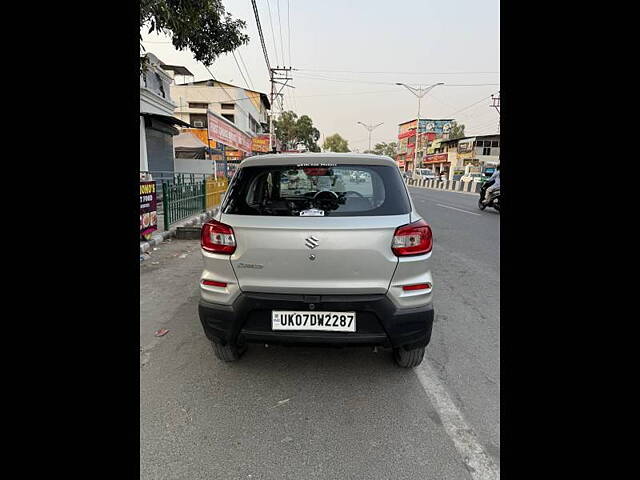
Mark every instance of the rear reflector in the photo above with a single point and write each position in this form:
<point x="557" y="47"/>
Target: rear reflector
<point x="413" y="239"/>
<point x="419" y="286"/>
<point x="213" y="283"/>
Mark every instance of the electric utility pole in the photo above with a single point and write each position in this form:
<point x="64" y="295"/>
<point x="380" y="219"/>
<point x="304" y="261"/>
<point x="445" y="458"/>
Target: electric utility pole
<point x="370" y="128"/>
<point x="496" y="102"/>
<point x="418" y="92"/>
<point x="276" y="77"/>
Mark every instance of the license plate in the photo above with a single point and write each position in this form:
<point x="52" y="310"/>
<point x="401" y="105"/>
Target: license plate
<point x="324" y="321"/>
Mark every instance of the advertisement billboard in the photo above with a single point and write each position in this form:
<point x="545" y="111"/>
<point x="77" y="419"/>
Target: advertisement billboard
<point x="223" y="131"/>
<point x="438" y="126"/>
<point x="148" y="209"/>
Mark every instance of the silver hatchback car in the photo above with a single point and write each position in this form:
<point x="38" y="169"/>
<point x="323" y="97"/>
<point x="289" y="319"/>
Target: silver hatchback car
<point x="298" y="254"/>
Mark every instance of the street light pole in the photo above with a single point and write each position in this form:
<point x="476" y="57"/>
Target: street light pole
<point x="370" y="128"/>
<point x="418" y="92"/>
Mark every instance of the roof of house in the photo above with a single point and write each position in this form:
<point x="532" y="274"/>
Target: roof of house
<point x="177" y="69"/>
<point x="263" y="96"/>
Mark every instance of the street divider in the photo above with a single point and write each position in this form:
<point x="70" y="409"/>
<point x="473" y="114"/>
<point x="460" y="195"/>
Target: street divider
<point x="447" y="185"/>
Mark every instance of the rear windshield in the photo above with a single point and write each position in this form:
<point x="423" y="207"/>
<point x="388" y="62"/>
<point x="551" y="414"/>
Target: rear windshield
<point x="338" y="191"/>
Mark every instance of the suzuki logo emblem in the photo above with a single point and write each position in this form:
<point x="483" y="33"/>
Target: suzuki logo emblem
<point x="312" y="242"/>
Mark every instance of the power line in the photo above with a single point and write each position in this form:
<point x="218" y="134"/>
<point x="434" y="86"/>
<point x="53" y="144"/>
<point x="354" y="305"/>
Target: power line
<point x="352" y="80"/>
<point x="289" y="29"/>
<point x="280" y="27"/>
<point x="264" y="47"/>
<point x="391" y="72"/>
<point x="469" y="106"/>
<point x="246" y="70"/>
<point x="239" y="69"/>
<point x="273" y="35"/>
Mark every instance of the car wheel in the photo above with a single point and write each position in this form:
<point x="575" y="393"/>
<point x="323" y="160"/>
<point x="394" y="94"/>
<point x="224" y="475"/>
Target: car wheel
<point x="408" y="358"/>
<point x="228" y="353"/>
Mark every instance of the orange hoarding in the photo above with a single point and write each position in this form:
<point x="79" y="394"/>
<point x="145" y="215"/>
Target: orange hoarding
<point x="260" y="143"/>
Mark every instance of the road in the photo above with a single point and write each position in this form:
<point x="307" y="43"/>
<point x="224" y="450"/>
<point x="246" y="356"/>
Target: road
<point x="321" y="413"/>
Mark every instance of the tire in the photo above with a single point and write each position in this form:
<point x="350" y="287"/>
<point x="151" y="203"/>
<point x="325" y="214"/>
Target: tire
<point x="228" y="353"/>
<point x="408" y="358"/>
<point x="481" y="205"/>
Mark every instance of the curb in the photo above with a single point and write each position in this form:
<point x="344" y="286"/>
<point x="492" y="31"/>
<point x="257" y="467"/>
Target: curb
<point x="161" y="237"/>
<point x="452" y="187"/>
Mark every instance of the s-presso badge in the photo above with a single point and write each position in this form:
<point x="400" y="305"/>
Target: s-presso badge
<point x="312" y="242"/>
<point x="250" y="265"/>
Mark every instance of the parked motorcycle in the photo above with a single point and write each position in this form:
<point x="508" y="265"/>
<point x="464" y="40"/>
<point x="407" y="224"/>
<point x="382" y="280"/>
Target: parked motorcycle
<point x="494" y="199"/>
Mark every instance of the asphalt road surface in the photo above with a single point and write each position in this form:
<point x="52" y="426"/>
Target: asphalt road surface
<point x="299" y="413"/>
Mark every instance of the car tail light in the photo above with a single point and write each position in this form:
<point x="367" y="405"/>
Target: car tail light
<point x="213" y="283"/>
<point x="419" y="286"/>
<point x="217" y="237"/>
<point x="412" y="239"/>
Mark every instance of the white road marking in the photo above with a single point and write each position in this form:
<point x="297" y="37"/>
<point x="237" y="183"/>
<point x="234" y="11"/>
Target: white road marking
<point x="480" y="465"/>
<point x="460" y="210"/>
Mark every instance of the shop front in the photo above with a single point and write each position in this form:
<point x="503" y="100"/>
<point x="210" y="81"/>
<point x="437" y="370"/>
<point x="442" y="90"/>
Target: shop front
<point x="232" y="142"/>
<point x="439" y="163"/>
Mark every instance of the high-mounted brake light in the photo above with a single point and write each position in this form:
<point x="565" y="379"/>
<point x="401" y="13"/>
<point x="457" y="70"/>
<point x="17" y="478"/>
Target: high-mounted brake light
<point x="413" y="239"/>
<point x="217" y="237"/>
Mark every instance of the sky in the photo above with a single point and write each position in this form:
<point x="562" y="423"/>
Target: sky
<point x="350" y="54"/>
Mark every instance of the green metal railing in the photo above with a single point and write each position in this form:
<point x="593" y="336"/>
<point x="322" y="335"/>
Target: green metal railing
<point x="182" y="198"/>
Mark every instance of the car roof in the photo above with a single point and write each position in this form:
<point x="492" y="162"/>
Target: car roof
<point x="315" y="158"/>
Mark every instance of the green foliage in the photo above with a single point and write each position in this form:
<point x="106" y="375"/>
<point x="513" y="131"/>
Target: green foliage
<point x="293" y="131"/>
<point x="335" y="143"/>
<point x="383" y="148"/>
<point x="201" y="26"/>
<point x="456" y="131"/>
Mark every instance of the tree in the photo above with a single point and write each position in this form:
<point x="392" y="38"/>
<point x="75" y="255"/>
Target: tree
<point x="383" y="148"/>
<point x="456" y="131"/>
<point x="307" y="134"/>
<point x="285" y="129"/>
<point x="293" y="131"/>
<point x="202" y="26"/>
<point x="335" y="143"/>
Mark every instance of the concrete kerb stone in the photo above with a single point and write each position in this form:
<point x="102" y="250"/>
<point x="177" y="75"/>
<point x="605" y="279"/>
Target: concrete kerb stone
<point x="157" y="239"/>
<point x="469" y="188"/>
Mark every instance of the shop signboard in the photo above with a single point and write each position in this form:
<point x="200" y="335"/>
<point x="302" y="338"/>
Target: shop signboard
<point x="436" y="158"/>
<point x="223" y="131"/>
<point x="148" y="209"/>
<point x="260" y="143"/>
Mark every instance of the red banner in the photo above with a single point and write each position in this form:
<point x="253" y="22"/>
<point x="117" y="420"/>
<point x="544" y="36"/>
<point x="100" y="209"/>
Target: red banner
<point x="436" y="158"/>
<point x="408" y="133"/>
<point x="220" y="130"/>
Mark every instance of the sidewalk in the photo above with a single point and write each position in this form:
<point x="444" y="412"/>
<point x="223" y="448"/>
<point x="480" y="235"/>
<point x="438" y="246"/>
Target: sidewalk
<point x="160" y="235"/>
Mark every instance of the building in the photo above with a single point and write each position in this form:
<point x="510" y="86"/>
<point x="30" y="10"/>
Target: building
<point x="157" y="121"/>
<point x="429" y="129"/>
<point x="482" y="151"/>
<point x="246" y="109"/>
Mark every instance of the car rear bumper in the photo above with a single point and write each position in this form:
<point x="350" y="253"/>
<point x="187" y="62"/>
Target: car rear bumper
<point x="378" y="321"/>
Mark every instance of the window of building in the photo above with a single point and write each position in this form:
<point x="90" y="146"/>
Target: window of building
<point x="198" y="120"/>
<point x="227" y="106"/>
<point x="229" y="117"/>
<point x="479" y="143"/>
<point x="495" y="143"/>
<point x="486" y="150"/>
<point x="198" y="105"/>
